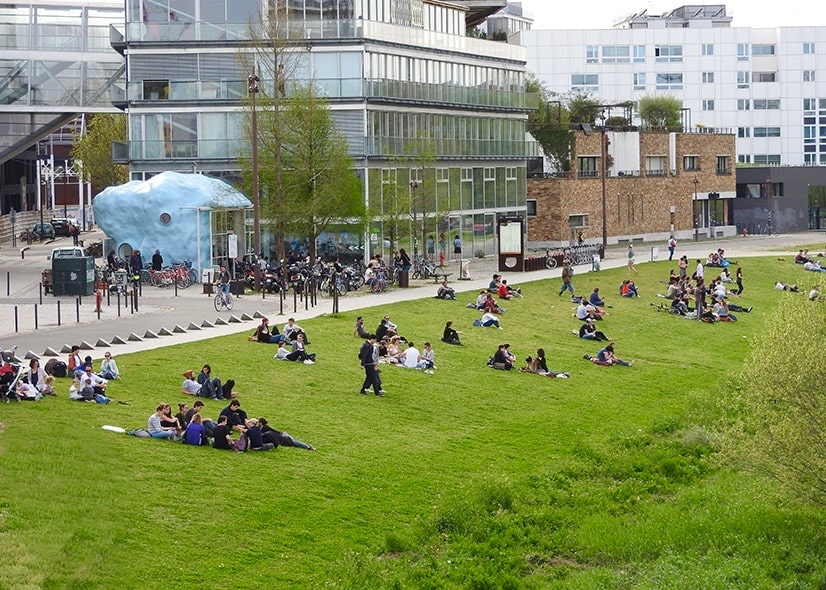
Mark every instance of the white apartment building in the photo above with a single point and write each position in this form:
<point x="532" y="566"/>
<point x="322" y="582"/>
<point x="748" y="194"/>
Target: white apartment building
<point x="768" y="86"/>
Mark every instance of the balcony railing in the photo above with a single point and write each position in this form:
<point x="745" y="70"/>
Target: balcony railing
<point x="453" y="147"/>
<point x="449" y="93"/>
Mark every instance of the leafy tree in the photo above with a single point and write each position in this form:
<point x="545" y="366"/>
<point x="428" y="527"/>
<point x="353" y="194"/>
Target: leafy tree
<point x="584" y="109"/>
<point x="660" y="112"/>
<point x="549" y="125"/>
<point x="777" y="407"/>
<point x="318" y="171"/>
<point x="305" y="175"/>
<point x="95" y="149"/>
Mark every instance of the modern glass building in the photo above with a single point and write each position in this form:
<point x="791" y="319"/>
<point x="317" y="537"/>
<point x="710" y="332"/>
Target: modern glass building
<point x="56" y="63"/>
<point x="396" y="73"/>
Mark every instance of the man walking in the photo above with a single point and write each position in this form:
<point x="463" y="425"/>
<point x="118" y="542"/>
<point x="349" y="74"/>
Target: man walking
<point x="567" y="277"/>
<point x="369" y="358"/>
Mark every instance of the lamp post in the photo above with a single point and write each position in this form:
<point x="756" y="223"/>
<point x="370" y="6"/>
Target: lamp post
<point x="603" y="140"/>
<point x="414" y="184"/>
<point x="694" y="208"/>
<point x="252" y="87"/>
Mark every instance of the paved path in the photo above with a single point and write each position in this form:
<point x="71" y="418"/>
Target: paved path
<point x="160" y="309"/>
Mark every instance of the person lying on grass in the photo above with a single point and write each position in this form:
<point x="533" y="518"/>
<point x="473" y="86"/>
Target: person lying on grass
<point x="607" y="358"/>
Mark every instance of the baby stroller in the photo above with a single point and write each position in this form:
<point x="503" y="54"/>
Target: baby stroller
<point x="10" y="371"/>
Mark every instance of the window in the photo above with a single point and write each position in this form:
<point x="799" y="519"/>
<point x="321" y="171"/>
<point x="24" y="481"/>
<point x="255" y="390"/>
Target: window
<point x="531" y="207"/>
<point x="639" y="81"/>
<point x="770" y="159"/>
<point x="767" y="131"/>
<point x="615" y="54"/>
<point x="691" y="163"/>
<point x="708" y="105"/>
<point x="708" y="49"/>
<point x="668" y="53"/>
<point x="809" y="134"/>
<point x="588" y="166"/>
<point x="766" y="104"/>
<point x="742" y="52"/>
<point x="744" y="158"/>
<point x="723" y="165"/>
<point x="669" y="81"/>
<point x="762" y="49"/>
<point x="155" y="89"/>
<point x="809" y="106"/>
<point x="743" y="132"/>
<point x="809" y="48"/>
<point x="655" y="165"/>
<point x="639" y="53"/>
<point x="763" y="77"/>
<point x="708" y="77"/>
<point x="591" y="54"/>
<point x="743" y="104"/>
<point x="742" y="79"/>
<point x="822" y="104"/>
<point x="584" y="82"/>
<point x="808" y="75"/>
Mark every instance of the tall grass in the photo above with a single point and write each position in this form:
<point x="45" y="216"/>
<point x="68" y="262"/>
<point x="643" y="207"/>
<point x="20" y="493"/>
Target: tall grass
<point x="468" y="478"/>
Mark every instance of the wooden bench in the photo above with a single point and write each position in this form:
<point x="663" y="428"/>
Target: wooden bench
<point x="441" y="276"/>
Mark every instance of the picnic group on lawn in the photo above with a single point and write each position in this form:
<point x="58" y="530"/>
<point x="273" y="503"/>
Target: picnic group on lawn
<point x="710" y="294"/>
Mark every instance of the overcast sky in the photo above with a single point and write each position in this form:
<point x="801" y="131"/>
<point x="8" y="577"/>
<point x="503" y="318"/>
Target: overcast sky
<point x="602" y="14"/>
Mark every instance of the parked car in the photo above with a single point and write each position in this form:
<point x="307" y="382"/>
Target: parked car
<point x="43" y="231"/>
<point x="61" y="225"/>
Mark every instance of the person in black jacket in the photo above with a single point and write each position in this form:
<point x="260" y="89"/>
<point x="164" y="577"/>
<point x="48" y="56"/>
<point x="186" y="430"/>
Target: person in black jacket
<point x="369" y="359"/>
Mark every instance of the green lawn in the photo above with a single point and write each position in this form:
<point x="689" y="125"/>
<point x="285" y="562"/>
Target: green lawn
<point x="468" y="478"/>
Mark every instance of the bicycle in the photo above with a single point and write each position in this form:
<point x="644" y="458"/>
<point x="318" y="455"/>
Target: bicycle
<point x="222" y="300"/>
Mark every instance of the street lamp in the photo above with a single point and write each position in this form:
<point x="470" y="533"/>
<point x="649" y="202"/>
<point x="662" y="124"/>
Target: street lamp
<point x="252" y="88"/>
<point x="694" y="208"/>
<point x="603" y="139"/>
<point x="414" y="184"/>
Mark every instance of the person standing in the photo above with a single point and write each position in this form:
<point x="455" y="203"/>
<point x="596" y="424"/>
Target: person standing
<point x="699" y="272"/>
<point x="369" y="358"/>
<point x="631" y="256"/>
<point x="74" y="231"/>
<point x="739" y="280"/>
<point x="431" y="248"/>
<point x="457" y="248"/>
<point x="567" y="278"/>
<point x="672" y="244"/>
<point x="442" y="243"/>
<point x="157" y="260"/>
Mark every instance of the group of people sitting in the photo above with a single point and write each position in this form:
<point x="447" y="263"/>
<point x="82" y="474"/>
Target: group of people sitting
<point x="683" y="291"/>
<point x="504" y="360"/>
<point x="233" y="429"/>
<point x="292" y="335"/>
<point x="719" y="259"/>
<point x="391" y="351"/>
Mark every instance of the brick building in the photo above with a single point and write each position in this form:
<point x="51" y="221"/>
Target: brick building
<point x="656" y="183"/>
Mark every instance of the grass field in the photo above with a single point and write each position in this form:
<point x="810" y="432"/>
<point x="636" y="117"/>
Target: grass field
<point x="468" y="478"/>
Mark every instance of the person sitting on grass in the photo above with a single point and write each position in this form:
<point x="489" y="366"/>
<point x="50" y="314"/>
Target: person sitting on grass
<point x="256" y="437"/>
<point x="491" y="305"/>
<point x="480" y="301"/>
<point x="628" y="289"/>
<point x="222" y="435"/>
<point x="607" y="358"/>
<point x="236" y="417"/>
<point x="195" y="433"/>
<point x="154" y="424"/>
<point x="588" y="331"/>
<point x="450" y="335"/>
<point x="595" y="299"/>
<point x="359" y="328"/>
<point x="299" y="351"/>
<point x="781" y="286"/>
<point x="428" y="361"/>
<point x="282" y="353"/>
<point x="488" y="320"/>
<point x="410" y="358"/>
<point x="210" y="386"/>
<point x="541" y="367"/>
<point x="502" y="359"/>
<point x="446" y="292"/>
<point x="280" y="438"/>
<point x="109" y="368"/>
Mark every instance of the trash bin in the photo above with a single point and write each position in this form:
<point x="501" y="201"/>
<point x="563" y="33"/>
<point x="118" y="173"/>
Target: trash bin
<point x="404" y="278"/>
<point x="236" y="287"/>
<point x="464" y="273"/>
<point x="206" y="279"/>
<point x="595" y="263"/>
<point x="73" y="275"/>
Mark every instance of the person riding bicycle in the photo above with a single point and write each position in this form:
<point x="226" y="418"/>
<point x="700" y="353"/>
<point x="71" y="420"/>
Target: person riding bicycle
<point x="222" y="280"/>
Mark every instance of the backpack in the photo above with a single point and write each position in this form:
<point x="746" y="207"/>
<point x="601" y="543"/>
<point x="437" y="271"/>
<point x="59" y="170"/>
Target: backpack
<point x="55" y="368"/>
<point x="140" y="433"/>
<point x="241" y="444"/>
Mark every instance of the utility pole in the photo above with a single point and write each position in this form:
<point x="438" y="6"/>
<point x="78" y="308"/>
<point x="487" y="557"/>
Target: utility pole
<point x="252" y="87"/>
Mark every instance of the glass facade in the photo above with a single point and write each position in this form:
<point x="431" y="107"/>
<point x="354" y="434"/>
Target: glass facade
<point x="401" y="72"/>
